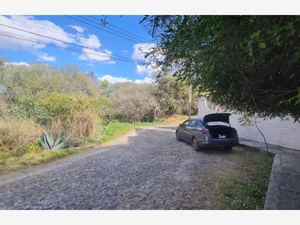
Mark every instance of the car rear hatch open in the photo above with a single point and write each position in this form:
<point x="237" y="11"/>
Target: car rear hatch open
<point x="216" y="117"/>
<point x="218" y="125"/>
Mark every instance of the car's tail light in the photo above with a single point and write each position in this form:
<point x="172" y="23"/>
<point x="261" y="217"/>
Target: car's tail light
<point x="205" y="132"/>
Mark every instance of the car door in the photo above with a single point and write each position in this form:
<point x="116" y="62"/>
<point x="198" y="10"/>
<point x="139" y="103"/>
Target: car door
<point x="190" y="130"/>
<point x="183" y="131"/>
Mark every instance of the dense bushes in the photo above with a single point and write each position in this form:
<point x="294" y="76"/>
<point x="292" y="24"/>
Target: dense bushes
<point x="147" y="102"/>
<point x="18" y="135"/>
<point x="75" y="116"/>
<point x="172" y="96"/>
<point x="39" y="80"/>
<point x="134" y="102"/>
<point x="64" y="102"/>
<point x="68" y="102"/>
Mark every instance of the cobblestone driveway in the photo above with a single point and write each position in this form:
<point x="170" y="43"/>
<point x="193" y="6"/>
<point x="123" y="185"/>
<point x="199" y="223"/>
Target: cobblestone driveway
<point x="149" y="170"/>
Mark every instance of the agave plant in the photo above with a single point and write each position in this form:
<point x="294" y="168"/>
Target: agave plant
<point x="49" y="142"/>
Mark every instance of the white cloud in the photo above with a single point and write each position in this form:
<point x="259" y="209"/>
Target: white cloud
<point x="109" y="62"/>
<point x="91" y="41"/>
<point x="145" y="80"/>
<point x="77" y="28"/>
<point x="146" y="64"/>
<point x="113" y="79"/>
<point x="94" y="55"/>
<point x="147" y="69"/>
<point x="92" y="51"/>
<point x="17" y="63"/>
<point x="31" y="24"/>
<point x="141" y="49"/>
<point x="46" y="57"/>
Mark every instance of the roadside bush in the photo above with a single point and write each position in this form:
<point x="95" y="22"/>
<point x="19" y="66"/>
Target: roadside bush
<point x="18" y="135"/>
<point x="27" y="108"/>
<point x="134" y="102"/>
<point x="74" y="116"/>
<point x="173" y="96"/>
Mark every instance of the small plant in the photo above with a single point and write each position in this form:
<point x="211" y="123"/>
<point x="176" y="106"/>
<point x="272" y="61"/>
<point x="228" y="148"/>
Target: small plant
<point x="49" y="142"/>
<point x="33" y="148"/>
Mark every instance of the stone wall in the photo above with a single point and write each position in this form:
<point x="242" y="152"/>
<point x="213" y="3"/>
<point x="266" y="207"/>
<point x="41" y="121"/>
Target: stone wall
<point x="284" y="133"/>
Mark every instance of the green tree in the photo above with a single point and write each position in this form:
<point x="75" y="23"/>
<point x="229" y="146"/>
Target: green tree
<point x="172" y="96"/>
<point x="246" y="63"/>
<point x="134" y="102"/>
<point x="39" y="80"/>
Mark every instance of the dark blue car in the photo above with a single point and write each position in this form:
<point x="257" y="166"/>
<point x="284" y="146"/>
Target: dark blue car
<point x="213" y="130"/>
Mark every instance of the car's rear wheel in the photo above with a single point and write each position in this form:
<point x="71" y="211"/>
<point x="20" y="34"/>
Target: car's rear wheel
<point x="195" y="144"/>
<point x="178" y="137"/>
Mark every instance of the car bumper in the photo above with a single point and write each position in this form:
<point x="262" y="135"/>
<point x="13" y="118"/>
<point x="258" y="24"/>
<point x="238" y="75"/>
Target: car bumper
<point x="220" y="143"/>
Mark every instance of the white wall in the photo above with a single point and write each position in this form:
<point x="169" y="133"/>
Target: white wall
<point x="283" y="133"/>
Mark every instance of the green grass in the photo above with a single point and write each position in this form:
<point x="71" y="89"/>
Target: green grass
<point x="116" y="129"/>
<point x="10" y="161"/>
<point x="249" y="190"/>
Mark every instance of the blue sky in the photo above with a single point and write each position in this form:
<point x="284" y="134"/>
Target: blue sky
<point x="84" y="31"/>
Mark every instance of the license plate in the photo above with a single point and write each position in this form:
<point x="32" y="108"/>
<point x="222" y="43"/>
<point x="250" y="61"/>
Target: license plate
<point x="222" y="136"/>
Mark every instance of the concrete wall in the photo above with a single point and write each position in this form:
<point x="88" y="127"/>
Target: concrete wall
<point x="283" y="133"/>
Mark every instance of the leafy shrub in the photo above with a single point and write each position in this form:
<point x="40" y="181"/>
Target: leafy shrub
<point x="17" y="134"/>
<point x="75" y="116"/>
<point x="33" y="148"/>
<point x="173" y="95"/>
<point x="134" y="102"/>
<point x="28" y="108"/>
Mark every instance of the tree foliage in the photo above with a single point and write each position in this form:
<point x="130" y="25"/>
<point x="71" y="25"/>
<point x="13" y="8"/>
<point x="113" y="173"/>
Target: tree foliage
<point x="148" y="102"/>
<point x="64" y="101"/>
<point x="38" y="80"/>
<point x="173" y="96"/>
<point x="134" y="102"/>
<point x="246" y="63"/>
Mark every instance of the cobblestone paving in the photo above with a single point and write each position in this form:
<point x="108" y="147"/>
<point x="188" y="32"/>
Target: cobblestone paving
<point x="148" y="171"/>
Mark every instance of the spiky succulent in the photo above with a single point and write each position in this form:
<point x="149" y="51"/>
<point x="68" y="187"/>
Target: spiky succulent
<point x="49" y="142"/>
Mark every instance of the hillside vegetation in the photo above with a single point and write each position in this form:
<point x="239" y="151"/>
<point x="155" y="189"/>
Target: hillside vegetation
<point x="46" y="109"/>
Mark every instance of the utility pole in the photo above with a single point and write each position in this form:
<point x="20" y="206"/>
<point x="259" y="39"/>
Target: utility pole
<point x="190" y="101"/>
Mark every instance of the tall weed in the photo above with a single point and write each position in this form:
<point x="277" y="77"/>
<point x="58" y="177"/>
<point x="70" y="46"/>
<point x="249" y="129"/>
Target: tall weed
<point x="18" y="134"/>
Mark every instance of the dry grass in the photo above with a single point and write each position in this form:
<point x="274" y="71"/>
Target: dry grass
<point x="76" y="127"/>
<point x="74" y="116"/>
<point x="13" y="161"/>
<point x="16" y="135"/>
<point x="177" y="119"/>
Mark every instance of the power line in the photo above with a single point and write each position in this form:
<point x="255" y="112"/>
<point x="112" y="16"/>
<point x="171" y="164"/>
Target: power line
<point x="93" y="20"/>
<point x="96" y="25"/>
<point x="54" y="46"/>
<point x="93" y="25"/>
<point x="70" y="43"/>
<point x="119" y="29"/>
